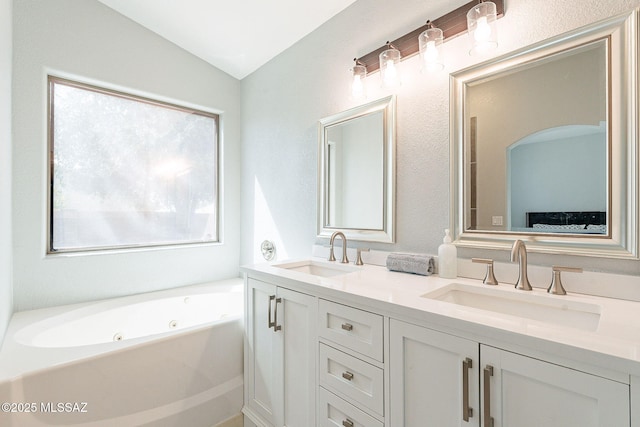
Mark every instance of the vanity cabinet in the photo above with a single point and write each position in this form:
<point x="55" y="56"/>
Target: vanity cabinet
<point x="439" y="377"/>
<point x="528" y="392"/>
<point x="280" y="356"/>
<point x="351" y="369"/>
<point x="433" y="376"/>
<point x="320" y="358"/>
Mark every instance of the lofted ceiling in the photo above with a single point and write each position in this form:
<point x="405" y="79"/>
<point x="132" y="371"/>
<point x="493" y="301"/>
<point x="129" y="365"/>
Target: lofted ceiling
<point x="236" y="36"/>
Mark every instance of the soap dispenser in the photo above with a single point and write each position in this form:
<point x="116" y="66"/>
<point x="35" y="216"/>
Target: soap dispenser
<point x="447" y="258"/>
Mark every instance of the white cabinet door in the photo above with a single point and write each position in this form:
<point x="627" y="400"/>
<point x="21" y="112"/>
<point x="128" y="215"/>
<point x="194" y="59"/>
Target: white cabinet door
<point x="297" y="377"/>
<point x="434" y="378"/>
<point x="280" y="356"/>
<point x="262" y="350"/>
<point x="525" y="392"/>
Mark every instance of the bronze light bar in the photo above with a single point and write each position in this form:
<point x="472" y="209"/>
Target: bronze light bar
<point x="451" y="24"/>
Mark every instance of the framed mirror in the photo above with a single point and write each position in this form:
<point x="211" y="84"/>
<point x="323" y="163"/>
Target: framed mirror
<point x="545" y="148"/>
<point x="356" y="172"/>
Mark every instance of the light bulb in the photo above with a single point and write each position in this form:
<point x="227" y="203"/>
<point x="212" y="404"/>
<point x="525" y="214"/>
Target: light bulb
<point x="431" y="52"/>
<point x="430" y="45"/>
<point x="357" y="88"/>
<point x="481" y="24"/>
<point x="391" y="74"/>
<point x="482" y="33"/>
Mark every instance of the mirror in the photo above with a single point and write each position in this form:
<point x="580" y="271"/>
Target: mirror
<point x="356" y="172"/>
<point x="544" y="145"/>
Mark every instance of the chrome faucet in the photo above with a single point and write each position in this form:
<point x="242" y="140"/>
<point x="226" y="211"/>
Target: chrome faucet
<point x="332" y="257"/>
<point x="519" y="253"/>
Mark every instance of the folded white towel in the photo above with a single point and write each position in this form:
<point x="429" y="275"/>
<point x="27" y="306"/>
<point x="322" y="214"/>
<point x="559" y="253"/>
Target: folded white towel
<point x="411" y="263"/>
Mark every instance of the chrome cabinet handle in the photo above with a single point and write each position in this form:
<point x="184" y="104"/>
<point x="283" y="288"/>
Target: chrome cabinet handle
<point x="276" y="327"/>
<point x="347" y="423"/>
<point x="488" y="419"/>
<point x="347" y="327"/>
<point x="347" y="375"/>
<point x="467" y="412"/>
<point x="271" y="324"/>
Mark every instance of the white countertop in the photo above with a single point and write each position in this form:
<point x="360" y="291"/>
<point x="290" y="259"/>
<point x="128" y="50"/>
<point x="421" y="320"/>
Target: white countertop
<point x="614" y="345"/>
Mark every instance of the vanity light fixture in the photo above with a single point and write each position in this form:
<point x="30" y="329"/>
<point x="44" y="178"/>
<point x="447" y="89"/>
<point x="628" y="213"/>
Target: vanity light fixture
<point x="430" y="44"/>
<point x="389" y="60"/>
<point x="483" y="16"/>
<point x="481" y="25"/>
<point x="359" y="72"/>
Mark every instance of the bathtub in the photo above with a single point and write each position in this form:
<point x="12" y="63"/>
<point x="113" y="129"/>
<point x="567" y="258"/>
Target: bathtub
<point x="168" y="358"/>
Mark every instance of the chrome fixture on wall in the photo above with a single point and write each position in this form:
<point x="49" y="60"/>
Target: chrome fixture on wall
<point x="477" y="17"/>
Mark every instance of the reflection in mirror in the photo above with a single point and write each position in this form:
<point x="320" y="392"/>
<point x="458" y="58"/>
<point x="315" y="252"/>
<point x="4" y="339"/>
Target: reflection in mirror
<point x="557" y="181"/>
<point x="544" y="145"/>
<point x="356" y="172"/>
<point x="549" y="155"/>
<point x="355" y="155"/>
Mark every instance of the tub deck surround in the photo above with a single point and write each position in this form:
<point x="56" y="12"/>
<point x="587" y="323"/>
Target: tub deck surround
<point x="179" y="360"/>
<point x="88" y="330"/>
<point x="613" y="348"/>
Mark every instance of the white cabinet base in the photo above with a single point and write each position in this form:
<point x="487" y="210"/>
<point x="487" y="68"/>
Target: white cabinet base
<point x="427" y="376"/>
<point x="527" y="392"/>
<point x="281" y="361"/>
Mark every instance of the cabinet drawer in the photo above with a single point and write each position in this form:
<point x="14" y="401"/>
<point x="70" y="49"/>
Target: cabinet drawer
<point x="355" y="329"/>
<point x="334" y="412"/>
<point x="352" y="378"/>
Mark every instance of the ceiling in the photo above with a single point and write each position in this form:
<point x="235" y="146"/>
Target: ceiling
<point x="236" y="36"/>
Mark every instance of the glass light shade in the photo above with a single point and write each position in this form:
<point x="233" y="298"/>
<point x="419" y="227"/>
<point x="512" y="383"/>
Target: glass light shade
<point x="389" y="61"/>
<point x="481" y="25"/>
<point x="357" y="84"/>
<point x="431" y="50"/>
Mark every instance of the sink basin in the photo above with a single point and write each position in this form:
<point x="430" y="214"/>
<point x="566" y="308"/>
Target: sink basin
<point x="318" y="268"/>
<point x="545" y="308"/>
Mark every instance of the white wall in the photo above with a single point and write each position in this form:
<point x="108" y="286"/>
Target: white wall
<point x="283" y="100"/>
<point x="6" y="297"/>
<point x="91" y="41"/>
<point x="561" y="175"/>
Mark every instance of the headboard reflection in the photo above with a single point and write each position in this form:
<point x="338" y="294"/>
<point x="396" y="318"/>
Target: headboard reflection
<point x="593" y="222"/>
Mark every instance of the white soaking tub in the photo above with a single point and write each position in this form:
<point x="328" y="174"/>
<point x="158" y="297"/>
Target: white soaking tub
<point x="163" y="358"/>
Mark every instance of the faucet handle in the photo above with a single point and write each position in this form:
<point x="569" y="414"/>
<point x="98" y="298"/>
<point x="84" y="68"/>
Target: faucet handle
<point x="489" y="278"/>
<point x="359" y="255"/>
<point x="556" y="287"/>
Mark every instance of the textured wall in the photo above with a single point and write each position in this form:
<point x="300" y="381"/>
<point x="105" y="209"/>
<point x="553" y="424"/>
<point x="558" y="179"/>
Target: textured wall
<point x="89" y="40"/>
<point x="6" y="297"/>
<point x="282" y="101"/>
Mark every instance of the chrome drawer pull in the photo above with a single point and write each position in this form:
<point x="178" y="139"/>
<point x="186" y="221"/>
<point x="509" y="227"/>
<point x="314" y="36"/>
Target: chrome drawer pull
<point x="276" y="327"/>
<point x="347" y="375"/>
<point x="271" y="323"/>
<point x="467" y="411"/>
<point x="347" y="423"/>
<point x="488" y="419"/>
<point x="347" y="327"/>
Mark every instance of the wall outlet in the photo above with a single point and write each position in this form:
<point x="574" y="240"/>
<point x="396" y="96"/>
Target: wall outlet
<point x="496" y="220"/>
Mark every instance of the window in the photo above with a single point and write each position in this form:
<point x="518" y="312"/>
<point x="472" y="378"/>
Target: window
<point x="128" y="171"/>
